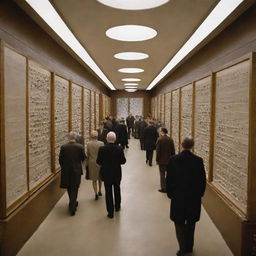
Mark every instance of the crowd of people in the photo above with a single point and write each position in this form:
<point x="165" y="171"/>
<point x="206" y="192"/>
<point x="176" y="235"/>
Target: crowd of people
<point x="182" y="176"/>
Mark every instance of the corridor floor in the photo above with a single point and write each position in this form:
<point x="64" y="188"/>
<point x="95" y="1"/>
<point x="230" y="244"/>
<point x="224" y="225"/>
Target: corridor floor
<point x="141" y="228"/>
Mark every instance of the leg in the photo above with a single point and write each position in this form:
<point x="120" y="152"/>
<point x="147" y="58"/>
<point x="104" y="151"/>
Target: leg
<point x="181" y="236"/>
<point x="72" y="193"/>
<point x="109" y="198"/>
<point x="100" y="184"/>
<point x="162" y="171"/>
<point x="117" y="193"/>
<point x="147" y="156"/>
<point x="94" y="184"/>
<point x="150" y="157"/>
<point x="190" y="230"/>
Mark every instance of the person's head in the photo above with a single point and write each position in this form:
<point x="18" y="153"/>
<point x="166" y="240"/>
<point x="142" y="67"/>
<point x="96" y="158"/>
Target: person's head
<point x="72" y="135"/>
<point x="163" y="131"/>
<point x="94" y="135"/>
<point x="111" y="137"/>
<point x="188" y="143"/>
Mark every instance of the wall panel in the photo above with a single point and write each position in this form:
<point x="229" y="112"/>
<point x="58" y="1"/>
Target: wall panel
<point x="175" y="124"/>
<point x="230" y="171"/>
<point x="122" y="107"/>
<point x="97" y="109"/>
<point x="167" y="111"/>
<point x="87" y="114"/>
<point x="136" y="106"/>
<point x="39" y="124"/>
<point x="15" y="125"/>
<point x="92" y="110"/>
<point x="61" y="106"/>
<point x="76" y="108"/>
<point x="203" y="119"/>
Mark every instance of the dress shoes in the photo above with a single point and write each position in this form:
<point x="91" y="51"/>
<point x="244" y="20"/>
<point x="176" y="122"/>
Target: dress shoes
<point x="150" y="164"/>
<point x="110" y="215"/>
<point x="162" y="190"/>
<point x="96" y="197"/>
<point x="118" y="209"/>
<point x="180" y="253"/>
<point x="99" y="194"/>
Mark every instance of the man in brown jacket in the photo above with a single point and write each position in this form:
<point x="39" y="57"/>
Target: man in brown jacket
<point x="164" y="151"/>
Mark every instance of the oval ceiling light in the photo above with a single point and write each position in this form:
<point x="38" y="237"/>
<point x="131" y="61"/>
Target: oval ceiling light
<point x="131" y="84"/>
<point x="131" y="87"/>
<point x="131" y="90"/>
<point x="131" y="56"/>
<point x="131" y="70"/>
<point x="131" y="33"/>
<point x="133" y="4"/>
<point x="131" y="79"/>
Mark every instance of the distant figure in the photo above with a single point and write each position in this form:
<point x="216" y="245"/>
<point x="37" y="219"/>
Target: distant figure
<point x="94" y="169"/>
<point x="164" y="151"/>
<point x="185" y="186"/>
<point x="130" y="124"/>
<point x="142" y="125"/>
<point x="150" y="138"/>
<point x="110" y="158"/>
<point x="109" y="124"/>
<point x="71" y="157"/>
<point x="80" y="139"/>
<point x="102" y="133"/>
<point x="121" y="134"/>
<point x="136" y="126"/>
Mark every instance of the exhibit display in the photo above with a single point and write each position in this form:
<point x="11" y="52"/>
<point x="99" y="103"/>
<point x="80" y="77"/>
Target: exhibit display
<point x="92" y="106"/>
<point x="122" y="107"/>
<point x="76" y="108"/>
<point x="87" y="114"/>
<point x="97" y="107"/>
<point x="175" y="121"/>
<point x="167" y="111"/>
<point x="136" y="106"/>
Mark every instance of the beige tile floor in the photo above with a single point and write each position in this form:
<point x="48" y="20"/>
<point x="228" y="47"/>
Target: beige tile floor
<point x="141" y="228"/>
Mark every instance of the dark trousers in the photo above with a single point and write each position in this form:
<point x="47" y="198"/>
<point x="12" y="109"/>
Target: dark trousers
<point x="109" y="196"/>
<point x="149" y="156"/>
<point x="141" y="144"/>
<point x="185" y="236"/>
<point x="163" y="172"/>
<point x="129" y="132"/>
<point x="72" y="194"/>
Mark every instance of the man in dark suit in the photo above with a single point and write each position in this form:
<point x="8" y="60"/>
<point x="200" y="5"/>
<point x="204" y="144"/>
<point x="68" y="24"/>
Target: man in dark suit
<point x="121" y="134"/>
<point x="110" y="158"/>
<point x="80" y="139"/>
<point x="102" y="133"/>
<point x="130" y="124"/>
<point x="71" y="157"/>
<point x="164" y="151"/>
<point x="185" y="186"/>
<point x="142" y="125"/>
<point x="150" y="138"/>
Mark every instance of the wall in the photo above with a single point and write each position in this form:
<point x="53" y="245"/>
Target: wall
<point x="123" y="94"/>
<point x="33" y="69"/>
<point x="222" y="65"/>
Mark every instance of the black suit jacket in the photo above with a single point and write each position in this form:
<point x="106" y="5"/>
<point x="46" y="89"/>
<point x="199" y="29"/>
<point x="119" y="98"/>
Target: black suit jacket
<point x="150" y="137"/>
<point x="102" y="135"/>
<point x="71" y="157"/>
<point x="110" y="157"/>
<point x="185" y="186"/>
<point x="121" y="134"/>
<point x="142" y="125"/>
<point x="164" y="149"/>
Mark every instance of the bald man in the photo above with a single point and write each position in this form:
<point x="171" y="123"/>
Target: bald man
<point x="110" y="158"/>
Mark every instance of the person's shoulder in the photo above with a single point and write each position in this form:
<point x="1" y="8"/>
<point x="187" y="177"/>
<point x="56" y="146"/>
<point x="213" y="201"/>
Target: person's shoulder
<point x="198" y="158"/>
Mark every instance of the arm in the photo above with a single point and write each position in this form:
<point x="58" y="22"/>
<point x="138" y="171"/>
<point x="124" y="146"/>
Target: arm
<point x="122" y="157"/>
<point x="83" y="155"/>
<point x="202" y="178"/>
<point x="61" y="156"/>
<point x="99" y="160"/>
<point x="172" y="148"/>
<point x="170" y="179"/>
<point x="158" y="149"/>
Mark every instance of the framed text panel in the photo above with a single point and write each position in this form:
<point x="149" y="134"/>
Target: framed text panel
<point x="175" y="124"/>
<point x="122" y="107"/>
<point x="92" y="111"/>
<point x="76" y="108"/>
<point x="97" y="110"/>
<point x="203" y="119"/>
<point x="136" y="106"/>
<point x="39" y="80"/>
<point x="230" y="169"/>
<point x="87" y="114"/>
<point x="167" y="111"/>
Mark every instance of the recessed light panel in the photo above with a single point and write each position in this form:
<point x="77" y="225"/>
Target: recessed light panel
<point x="131" y="56"/>
<point x="131" y="90"/>
<point x="131" y="70"/>
<point x="133" y="4"/>
<point x="131" y="79"/>
<point x="131" y="33"/>
<point x="131" y="87"/>
<point x="131" y="84"/>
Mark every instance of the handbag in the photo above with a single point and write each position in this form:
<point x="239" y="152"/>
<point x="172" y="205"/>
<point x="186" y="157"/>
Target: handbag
<point x="87" y="174"/>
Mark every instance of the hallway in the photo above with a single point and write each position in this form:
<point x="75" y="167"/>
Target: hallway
<point x="141" y="228"/>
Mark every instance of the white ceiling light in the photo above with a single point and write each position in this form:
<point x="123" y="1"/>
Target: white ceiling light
<point x="131" y="70"/>
<point x="131" y="90"/>
<point x="46" y="11"/>
<point x="131" y="87"/>
<point x="131" y="79"/>
<point x="133" y="4"/>
<point x="131" y="33"/>
<point x="131" y="84"/>
<point x="222" y="10"/>
<point x="131" y="56"/>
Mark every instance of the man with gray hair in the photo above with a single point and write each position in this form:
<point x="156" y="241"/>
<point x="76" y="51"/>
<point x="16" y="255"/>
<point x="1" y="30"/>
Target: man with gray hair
<point x="70" y="158"/>
<point x="110" y="158"/>
<point x="185" y="186"/>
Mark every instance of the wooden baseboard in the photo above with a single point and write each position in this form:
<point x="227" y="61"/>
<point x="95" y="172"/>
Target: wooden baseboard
<point x="21" y="224"/>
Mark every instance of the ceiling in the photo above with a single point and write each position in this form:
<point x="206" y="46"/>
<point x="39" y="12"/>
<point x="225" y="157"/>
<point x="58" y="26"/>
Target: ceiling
<point x="174" y="22"/>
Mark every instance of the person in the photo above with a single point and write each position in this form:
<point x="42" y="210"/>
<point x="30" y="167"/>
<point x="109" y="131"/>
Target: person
<point x="164" y="151"/>
<point x="150" y="137"/>
<point x="102" y="133"/>
<point x="94" y="169"/>
<point x="109" y="124"/>
<point x="70" y="158"/>
<point x="121" y="134"/>
<point x="80" y="139"/>
<point x="142" y="125"/>
<point x="185" y="187"/>
<point x="110" y="158"/>
<point x="130" y="124"/>
<point x="136" y="126"/>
